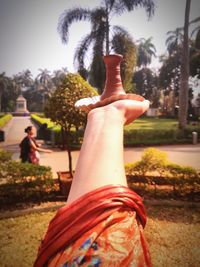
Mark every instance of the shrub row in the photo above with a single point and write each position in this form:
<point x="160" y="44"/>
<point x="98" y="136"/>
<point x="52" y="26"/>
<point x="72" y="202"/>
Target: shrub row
<point x="76" y="137"/>
<point x="5" y="119"/>
<point x="39" y="120"/>
<point x="157" y="137"/>
<point x="131" y="137"/>
<point x="23" y="181"/>
<point x="155" y="169"/>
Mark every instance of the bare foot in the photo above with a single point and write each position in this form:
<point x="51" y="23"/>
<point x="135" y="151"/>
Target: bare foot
<point x="127" y="110"/>
<point x="132" y="109"/>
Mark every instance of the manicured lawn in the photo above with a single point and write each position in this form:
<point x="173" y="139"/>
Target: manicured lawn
<point x="158" y="130"/>
<point x="152" y="124"/>
<point x="173" y="235"/>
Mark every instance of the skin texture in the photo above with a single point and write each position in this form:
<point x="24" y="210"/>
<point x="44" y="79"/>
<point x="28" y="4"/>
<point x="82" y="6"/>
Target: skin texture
<point x="101" y="159"/>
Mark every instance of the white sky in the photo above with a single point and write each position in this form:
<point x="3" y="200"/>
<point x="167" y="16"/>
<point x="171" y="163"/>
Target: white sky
<point x="29" y="37"/>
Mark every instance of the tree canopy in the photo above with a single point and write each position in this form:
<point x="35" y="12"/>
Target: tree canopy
<point x="60" y="107"/>
<point x="102" y="33"/>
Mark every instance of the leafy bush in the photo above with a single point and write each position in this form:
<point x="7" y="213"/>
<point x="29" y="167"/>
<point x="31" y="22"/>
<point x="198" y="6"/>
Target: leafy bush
<point x="185" y="175"/>
<point x="5" y="156"/>
<point x="15" y="172"/>
<point x="152" y="159"/>
<point x="5" y="119"/>
<point x="154" y="169"/>
<point x="23" y="181"/>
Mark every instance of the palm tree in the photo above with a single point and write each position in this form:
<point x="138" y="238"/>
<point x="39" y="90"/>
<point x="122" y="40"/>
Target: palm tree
<point x="183" y="98"/>
<point x="195" y="53"/>
<point x="43" y="78"/>
<point x="101" y="30"/>
<point x="58" y="76"/>
<point x="174" y="43"/>
<point x="174" y="40"/>
<point x="24" y="79"/>
<point x="145" y="52"/>
<point x="124" y="45"/>
<point x="45" y="84"/>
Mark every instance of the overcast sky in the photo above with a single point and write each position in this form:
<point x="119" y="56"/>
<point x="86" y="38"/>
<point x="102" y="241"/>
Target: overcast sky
<point x="29" y="37"/>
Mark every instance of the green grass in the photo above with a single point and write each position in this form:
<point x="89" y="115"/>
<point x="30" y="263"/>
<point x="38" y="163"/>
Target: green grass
<point x="144" y="131"/>
<point x="152" y="124"/>
<point x="173" y="235"/>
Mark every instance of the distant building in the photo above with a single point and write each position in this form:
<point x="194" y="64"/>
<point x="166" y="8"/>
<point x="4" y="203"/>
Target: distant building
<point x="21" y="106"/>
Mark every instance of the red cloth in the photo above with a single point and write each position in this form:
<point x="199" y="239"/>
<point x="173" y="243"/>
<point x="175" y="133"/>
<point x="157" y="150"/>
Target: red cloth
<point x="88" y="212"/>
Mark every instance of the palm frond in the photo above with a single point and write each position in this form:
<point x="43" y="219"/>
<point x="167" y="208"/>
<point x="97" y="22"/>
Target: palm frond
<point x="97" y="68"/>
<point x="194" y="20"/>
<point x="196" y="29"/>
<point x="121" y="30"/>
<point x="68" y="17"/>
<point x="98" y="18"/>
<point x="81" y="50"/>
<point x="120" y="6"/>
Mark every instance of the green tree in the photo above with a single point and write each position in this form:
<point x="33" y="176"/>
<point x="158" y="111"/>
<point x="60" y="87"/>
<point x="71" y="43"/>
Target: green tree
<point x="23" y="80"/>
<point x="124" y="45"/>
<point x="3" y="85"/>
<point x="101" y="31"/>
<point x="195" y="54"/>
<point x="43" y="80"/>
<point x="174" y="40"/>
<point x="44" y="84"/>
<point x="169" y="77"/>
<point x="60" y="107"/>
<point x="146" y="50"/>
<point x="58" y="76"/>
<point x="34" y="99"/>
<point x="146" y="84"/>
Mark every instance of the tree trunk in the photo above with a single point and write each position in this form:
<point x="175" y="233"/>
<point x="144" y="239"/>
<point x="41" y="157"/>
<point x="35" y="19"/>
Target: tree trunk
<point x="107" y="32"/>
<point x="63" y="137"/>
<point x="183" y="97"/>
<point x="67" y="134"/>
<point x="0" y="100"/>
<point x="70" y="161"/>
<point x="173" y="103"/>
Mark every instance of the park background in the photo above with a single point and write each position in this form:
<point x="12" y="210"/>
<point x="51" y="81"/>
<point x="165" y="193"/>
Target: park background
<point x="36" y="64"/>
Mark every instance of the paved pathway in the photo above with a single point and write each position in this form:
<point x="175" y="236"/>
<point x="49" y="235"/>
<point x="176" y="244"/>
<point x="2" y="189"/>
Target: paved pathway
<point x="58" y="160"/>
<point x="14" y="133"/>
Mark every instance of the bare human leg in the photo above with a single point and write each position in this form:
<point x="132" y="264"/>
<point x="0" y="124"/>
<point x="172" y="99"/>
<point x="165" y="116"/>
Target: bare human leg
<point x="101" y="160"/>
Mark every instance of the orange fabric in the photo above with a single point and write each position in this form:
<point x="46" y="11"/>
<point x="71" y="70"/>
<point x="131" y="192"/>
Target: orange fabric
<point x="101" y="228"/>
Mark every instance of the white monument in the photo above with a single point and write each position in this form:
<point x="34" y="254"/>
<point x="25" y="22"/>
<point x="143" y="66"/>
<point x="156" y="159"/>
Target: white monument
<point x="21" y="106"/>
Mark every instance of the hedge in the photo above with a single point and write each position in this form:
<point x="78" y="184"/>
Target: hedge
<point x="155" y="169"/>
<point x="157" y="137"/>
<point x="23" y="181"/>
<point x="76" y="136"/>
<point x="5" y="119"/>
<point x="132" y="137"/>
